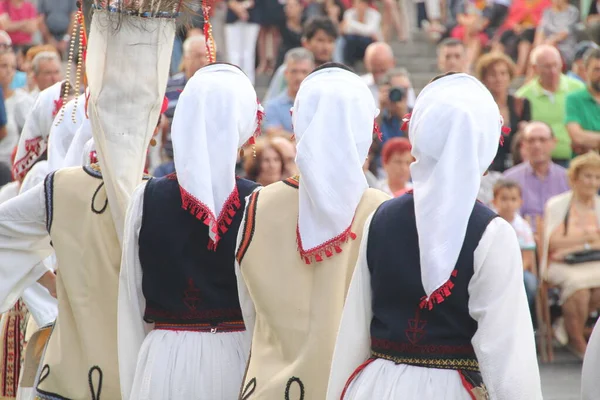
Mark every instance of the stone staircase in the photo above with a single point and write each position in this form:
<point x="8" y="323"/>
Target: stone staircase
<point x="419" y="58"/>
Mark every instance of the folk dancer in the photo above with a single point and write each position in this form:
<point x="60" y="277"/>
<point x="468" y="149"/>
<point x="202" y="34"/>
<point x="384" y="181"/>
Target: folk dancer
<point x="181" y="333"/>
<point x="89" y="252"/>
<point x="437" y="308"/>
<point x="298" y="243"/>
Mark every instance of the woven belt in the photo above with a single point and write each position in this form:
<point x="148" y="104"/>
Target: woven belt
<point x="222" y="327"/>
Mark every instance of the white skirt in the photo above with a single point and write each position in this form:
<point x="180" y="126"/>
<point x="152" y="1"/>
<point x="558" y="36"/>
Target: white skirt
<point x="176" y="365"/>
<point x="385" y="380"/>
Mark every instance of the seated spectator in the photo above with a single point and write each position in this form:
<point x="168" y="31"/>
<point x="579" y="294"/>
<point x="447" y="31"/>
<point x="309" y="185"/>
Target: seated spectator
<point x="31" y="84"/>
<point x="583" y="112"/>
<point x="396" y="158"/>
<point x="194" y="58"/>
<point x="17" y="102"/>
<point x="452" y="56"/>
<point x="47" y="70"/>
<point x="518" y="31"/>
<point x="577" y="68"/>
<point x="507" y="202"/>
<point x="318" y="36"/>
<point x="379" y="59"/>
<point x="393" y="101"/>
<point x="395" y="17"/>
<point x="470" y="29"/>
<point x="264" y="165"/>
<point x="56" y="19"/>
<point x="20" y="79"/>
<point x="291" y="30"/>
<point x="362" y="26"/>
<point x="557" y="28"/>
<point x="496" y="71"/>
<point x="299" y="63"/>
<point x="592" y="21"/>
<point x="571" y="226"/>
<point x="538" y="177"/>
<point x="19" y="19"/>
<point x="241" y="34"/>
<point x="288" y="151"/>
<point x="547" y="93"/>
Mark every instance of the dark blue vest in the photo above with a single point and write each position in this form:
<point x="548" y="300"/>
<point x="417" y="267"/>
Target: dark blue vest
<point x="184" y="282"/>
<point x="400" y="330"/>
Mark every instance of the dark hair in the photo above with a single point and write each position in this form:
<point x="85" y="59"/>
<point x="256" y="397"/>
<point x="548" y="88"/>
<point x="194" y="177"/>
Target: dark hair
<point x="506" y="184"/>
<point x="440" y="76"/>
<point x="333" y="65"/>
<point x="591" y="54"/>
<point x="316" y="24"/>
<point x="253" y="159"/>
<point x="449" y="42"/>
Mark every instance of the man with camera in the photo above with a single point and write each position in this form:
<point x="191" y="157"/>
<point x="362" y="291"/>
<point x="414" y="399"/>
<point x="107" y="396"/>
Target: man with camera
<point x="393" y="92"/>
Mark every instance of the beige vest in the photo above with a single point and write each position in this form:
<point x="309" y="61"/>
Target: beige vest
<point x="298" y="306"/>
<point x="81" y="357"/>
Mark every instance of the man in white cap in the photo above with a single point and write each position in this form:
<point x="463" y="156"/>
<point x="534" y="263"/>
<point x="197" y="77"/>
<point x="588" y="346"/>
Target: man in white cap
<point x="181" y="333"/>
<point x="299" y="242"/>
<point x="83" y="208"/>
<point x="437" y="308"/>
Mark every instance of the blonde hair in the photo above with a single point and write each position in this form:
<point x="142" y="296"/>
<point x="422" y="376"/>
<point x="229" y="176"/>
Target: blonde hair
<point x="590" y="159"/>
<point x="487" y="61"/>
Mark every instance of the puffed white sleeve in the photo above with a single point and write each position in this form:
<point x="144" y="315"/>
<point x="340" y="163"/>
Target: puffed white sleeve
<point x="24" y="243"/>
<point x="504" y="342"/>
<point x="131" y="328"/>
<point x="354" y="331"/>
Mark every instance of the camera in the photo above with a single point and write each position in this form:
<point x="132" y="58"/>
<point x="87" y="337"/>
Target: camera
<point x="397" y="94"/>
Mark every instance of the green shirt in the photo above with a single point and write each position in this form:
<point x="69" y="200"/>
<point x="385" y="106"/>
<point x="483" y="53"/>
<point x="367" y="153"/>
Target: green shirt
<point x="583" y="109"/>
<point x="550" y="108"/>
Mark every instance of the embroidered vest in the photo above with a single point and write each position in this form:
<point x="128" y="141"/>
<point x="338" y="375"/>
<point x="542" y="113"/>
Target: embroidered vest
<point x="401" y="330"/>
<point x="183" y="281"/>
<point x="298" y="306"/>
<point x="80" y="360"/>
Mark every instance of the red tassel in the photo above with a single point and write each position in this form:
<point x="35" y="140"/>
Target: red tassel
<point x="165" y="105"/>
<point x="252" y="140"/>
<point x="338" y="249"/>
<point x="328" y="247"/>
<point x="377" y="131"/>
<point x="353" y="235"/>
<point x="440" y="294"/>
<point x="328" y="253"/>
<point x="318" y="257"/>
<point x="405" y="122"/>
<point x="307" y="260"/>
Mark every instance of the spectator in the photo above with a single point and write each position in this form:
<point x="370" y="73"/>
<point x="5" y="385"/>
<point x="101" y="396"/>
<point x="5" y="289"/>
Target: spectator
<point x="241" y="34"/>
<point x="396" y="159"/>
<point x="577" y="68"/>
<point x="272" y="16"/>
<point x="47" y="70"/>
<point x="507" y="202"/>
<point x="370" y="166"/>
<point x="288" y="151"/>
<point x="319" y="35"/>
<point x="379" y="59"/>
<point x="452" y="56"/>
<point x="265" y="166"/>
<point x="393" y="100"/>
<point x="433" y="23"/>
<point x="571" y="226"/>
<point x="20" y="79"/>
<point x="517" y="34"/>
<point x="539" y="177"/>
<point x="18" y="104"/>
<point x="361" y="28"/>
<point x="557" y="28"/>
<point x="26" y="66"/>
<point x="469" y="29"/>
<point x="291" y="30"/>
<point x="194" y="58"/>
<point x="56" y="20"/>
<point x="583" y="109"/>
<point x="168" y="166"/>
<point x="298" y="64"/>
<point x="547" y="93"/>
<point x="395" y="16"/>
<point x="496" y="71"/>
<point x="19" y="19"/>
<point x="593" y="18"/>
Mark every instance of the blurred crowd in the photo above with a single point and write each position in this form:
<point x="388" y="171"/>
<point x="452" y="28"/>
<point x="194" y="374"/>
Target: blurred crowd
<point x="539" y="59"/>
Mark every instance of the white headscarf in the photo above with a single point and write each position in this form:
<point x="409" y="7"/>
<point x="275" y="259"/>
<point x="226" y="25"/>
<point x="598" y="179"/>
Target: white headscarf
<point x="454" y="129"/>
<point x="333" y="120"/>
<point x="34" y="138"/>
<point x="62" y="132"/>
<point x="215" y="115"/>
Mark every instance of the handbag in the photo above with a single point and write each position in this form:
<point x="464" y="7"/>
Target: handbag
<point x="583" y="256"/>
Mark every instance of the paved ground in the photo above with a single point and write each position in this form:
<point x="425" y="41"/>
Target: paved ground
<point x="561" y="379"/>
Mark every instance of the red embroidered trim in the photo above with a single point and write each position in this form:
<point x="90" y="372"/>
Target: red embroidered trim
<point x="385" y="346"/>
<point x="260" y="115"/>
<point x="440" y="294"/>
<point x="327" y="249"/>
<point x="33" y="148"/>
<point x="356" y="372"/>
<point x="57" y="106"/>
<point x="377" y="131"/>
<point x="219" y="225"/>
